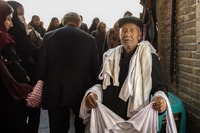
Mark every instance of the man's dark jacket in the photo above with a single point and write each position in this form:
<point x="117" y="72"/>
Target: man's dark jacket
<point x="68" y="64"/>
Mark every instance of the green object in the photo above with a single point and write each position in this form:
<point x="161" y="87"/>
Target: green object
<point x="177" y="108"/>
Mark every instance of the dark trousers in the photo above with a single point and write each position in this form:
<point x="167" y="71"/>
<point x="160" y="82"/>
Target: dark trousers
<point x="59" y="119"/>
<point x="12" y="118"/>
<point x="33" y="119"/>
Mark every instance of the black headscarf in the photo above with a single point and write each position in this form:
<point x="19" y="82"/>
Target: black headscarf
<point x="15" y="5"/>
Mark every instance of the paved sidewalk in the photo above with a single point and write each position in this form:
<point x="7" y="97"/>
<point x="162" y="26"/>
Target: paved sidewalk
<point x="44" y="123"/>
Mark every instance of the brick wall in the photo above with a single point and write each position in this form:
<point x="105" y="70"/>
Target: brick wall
<point x="186" y="80"/>
<point x="163" y="16"/>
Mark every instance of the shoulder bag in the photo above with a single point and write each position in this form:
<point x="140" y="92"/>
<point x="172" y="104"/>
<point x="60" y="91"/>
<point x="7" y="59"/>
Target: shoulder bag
<point x="17" y="90"/>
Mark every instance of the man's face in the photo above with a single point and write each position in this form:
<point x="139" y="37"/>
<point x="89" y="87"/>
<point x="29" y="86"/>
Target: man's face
<point x="130" y="34"/>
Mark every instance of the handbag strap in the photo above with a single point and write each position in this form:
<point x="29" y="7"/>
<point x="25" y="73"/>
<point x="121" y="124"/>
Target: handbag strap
<point x="4" y="60"/>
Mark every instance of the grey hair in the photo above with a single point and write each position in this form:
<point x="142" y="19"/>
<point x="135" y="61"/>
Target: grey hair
<point x="71" y="17"/>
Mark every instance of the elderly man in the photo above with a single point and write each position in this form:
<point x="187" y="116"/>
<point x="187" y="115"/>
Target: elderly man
<point x="68" y="65"/>
<point x="131" y="73"/>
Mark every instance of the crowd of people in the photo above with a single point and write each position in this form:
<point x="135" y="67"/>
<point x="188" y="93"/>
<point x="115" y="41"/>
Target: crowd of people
<point x="78" y="66"/>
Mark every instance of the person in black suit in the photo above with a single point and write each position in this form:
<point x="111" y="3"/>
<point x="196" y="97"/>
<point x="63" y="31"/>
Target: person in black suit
<point x="68" y="64"/>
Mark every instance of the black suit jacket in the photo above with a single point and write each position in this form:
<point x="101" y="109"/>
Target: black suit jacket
<point x="68" y="64"/>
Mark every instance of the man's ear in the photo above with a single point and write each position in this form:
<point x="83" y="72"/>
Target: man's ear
<point x="140" y="36"/>
<point x="79" y="25"/>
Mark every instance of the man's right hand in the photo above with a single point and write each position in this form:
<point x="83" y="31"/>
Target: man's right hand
<point x="90" y="100"/>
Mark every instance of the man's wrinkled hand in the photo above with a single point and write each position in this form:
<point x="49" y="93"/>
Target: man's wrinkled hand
<point x="159" y="104"/>
<point x="90" y="100"/>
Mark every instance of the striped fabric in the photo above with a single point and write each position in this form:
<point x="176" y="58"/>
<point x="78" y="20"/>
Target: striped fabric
<point x="35" y="97"/>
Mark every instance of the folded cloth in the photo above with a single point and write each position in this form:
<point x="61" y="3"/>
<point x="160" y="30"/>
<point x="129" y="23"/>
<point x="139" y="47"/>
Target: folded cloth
<point x="34" y="98"/>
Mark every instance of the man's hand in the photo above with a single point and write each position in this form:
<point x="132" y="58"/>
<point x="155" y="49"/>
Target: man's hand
<point x="159" y="104"/>
<point x="90" y="100"/>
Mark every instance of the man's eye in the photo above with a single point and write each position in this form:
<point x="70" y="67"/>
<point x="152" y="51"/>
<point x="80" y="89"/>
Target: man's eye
<point x="124" y="30"/>
<point x="132" y="30"/>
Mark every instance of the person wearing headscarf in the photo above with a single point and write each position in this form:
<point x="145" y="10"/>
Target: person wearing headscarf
<point x="37" y="25"/>
<point x="128" y="13"/>
<point x="112" y="38"/>
<point x="54" y="24"/>
<point x="94" y="24"/>
<point x="12" y="114"/>
<point x="27" y="51"/>
<point x="100" y="34"/>
<point x="84" y="26"/>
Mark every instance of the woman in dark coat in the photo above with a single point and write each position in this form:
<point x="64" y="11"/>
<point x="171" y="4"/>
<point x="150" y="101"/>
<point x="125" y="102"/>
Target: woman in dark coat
<point x="100" y="34"/>
<point x="94" y="24"/>
<point x="12" y="114"/>
<point x="27" y="51"/>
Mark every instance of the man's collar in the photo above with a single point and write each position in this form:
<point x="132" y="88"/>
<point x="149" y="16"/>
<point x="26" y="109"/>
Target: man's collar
<point x="130" y="54"/>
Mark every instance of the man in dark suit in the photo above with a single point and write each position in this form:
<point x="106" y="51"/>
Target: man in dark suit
<point x="68" y="64"/>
